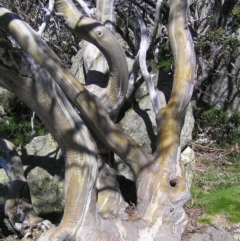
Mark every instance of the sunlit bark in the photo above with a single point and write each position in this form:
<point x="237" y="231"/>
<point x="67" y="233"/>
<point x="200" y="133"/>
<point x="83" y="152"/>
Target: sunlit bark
<point x="92" y="212"/>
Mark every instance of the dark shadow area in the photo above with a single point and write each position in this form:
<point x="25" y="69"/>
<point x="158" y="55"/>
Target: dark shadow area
<point x="144" y="115"/>
<point x="52" y="165"/>
<point x="128" y="189"/>
<point x="165" y="83"/>
<point x="54" y="217"/>
<point x="97" y="78"/>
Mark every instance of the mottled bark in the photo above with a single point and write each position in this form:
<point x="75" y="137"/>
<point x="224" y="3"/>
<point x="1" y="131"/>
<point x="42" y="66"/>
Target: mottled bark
<point x="18" y="205"/>
<point x="94" y="207"/>
<point x="95" y="63"/>
<point x="103" y="39"/>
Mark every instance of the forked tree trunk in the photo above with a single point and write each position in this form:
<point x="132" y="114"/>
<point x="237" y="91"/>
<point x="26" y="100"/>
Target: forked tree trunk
<point x="94" y="207"/>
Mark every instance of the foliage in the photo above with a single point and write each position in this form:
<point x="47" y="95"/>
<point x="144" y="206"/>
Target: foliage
<point x="236" y="12"/>
<point x="218" y="38"/>
<point x="16" y="126"/>
<point x="8" y="225"/>
<point x="217" y="125"/>
<point x="163" y="63"/>
<point x="19" y="130"/>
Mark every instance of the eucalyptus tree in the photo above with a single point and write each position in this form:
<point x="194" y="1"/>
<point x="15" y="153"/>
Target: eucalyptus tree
<point x="82" y="118"/>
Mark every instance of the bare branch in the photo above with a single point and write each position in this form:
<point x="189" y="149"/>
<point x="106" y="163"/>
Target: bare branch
<point x="140" y="59"/>
<point x="47" y="17"/>
<point x="144" y="45"/>
<point x="85" y="8"/>
<point x="156" y="21"/>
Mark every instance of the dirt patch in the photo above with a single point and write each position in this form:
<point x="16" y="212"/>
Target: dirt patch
<point x="193" y="226"/>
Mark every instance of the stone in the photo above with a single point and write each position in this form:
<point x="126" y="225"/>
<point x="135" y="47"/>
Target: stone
<point x="213" y="233"/>
<point x="77" y="67"/>
<point x="44" y="170"/>
<point x="187" y="129"/>
<point x="188" y="160"/>
<point x="6" y="97"/>
<point x="140" y="124"/>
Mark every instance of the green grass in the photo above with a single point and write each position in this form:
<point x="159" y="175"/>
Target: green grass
<point x="221" y="201"/>
<point x="216" y="183"/>
<point x="217" y="191"/>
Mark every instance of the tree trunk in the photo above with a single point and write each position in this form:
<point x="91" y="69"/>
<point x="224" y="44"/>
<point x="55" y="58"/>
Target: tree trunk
<point x="94" y="207"/>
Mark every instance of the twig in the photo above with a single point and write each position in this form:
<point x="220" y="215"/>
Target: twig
<point x="32" y="125"/>
<point x="47" y="17"/>
<point x="85" y="8"/>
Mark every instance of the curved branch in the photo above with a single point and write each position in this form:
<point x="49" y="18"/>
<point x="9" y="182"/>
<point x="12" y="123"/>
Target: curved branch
<point x="95" y="63"/>
<point x="43" y="96"/>
<point x="89" y="106"/>
<point x="92" y="31"/>
<point x="144" y="45"/>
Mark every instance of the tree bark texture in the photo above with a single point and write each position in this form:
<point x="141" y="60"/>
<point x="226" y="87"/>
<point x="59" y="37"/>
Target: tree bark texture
<point x="94" y="206"/>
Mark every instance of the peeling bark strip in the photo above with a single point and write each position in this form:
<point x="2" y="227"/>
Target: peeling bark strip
<point x="144" y="45"/>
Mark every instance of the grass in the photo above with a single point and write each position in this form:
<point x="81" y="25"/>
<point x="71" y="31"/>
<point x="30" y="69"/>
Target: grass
<point x="216" y="189"/>
<point x="216" y="183"/>
<point x="224" y="201"/>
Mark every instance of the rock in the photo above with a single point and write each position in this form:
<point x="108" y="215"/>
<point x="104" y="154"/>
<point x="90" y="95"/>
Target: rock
<point x="46" y="191"/>
<point x="139" y="122"/>
<point x="77" y="67"/>
<point x="187" y="129"/>
<point x="188" y="160"/>
<point x="44" y="169"/>
<point x="43" y="146"/>
<point x="6" y="98"/>
<point x="213" y="234"/>
<point x="236" y="233"/>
